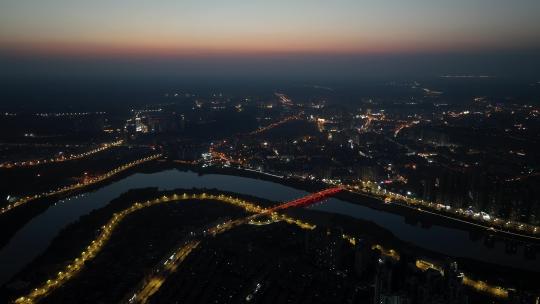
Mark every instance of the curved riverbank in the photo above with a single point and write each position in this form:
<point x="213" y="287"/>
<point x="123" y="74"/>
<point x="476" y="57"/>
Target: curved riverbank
<point x="18" y="217"/>
<point x="79" y="234"/>
<point x="425" y="218"/>
<point x="24" y="246"/>
<point x="78" y="243"/>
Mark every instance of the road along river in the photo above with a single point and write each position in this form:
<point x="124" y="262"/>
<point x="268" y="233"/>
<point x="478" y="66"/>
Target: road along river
<point x="33" y="238"/>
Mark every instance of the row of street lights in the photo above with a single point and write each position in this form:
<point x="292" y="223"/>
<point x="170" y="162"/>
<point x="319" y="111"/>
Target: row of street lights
<point x="85" y="183"/>
<point x="62" y="158"/>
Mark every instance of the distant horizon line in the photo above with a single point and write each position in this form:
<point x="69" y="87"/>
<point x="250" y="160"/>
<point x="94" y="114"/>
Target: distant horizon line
<point x="93" y="50"/>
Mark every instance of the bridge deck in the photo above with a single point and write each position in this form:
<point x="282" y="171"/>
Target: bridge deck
<point x="308" y="200"/>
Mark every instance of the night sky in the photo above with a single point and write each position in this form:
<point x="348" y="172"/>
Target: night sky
<point x="269" y="38"/>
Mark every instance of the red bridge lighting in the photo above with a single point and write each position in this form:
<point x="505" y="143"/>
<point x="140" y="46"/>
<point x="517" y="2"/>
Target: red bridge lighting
<point x="309" y="200"/>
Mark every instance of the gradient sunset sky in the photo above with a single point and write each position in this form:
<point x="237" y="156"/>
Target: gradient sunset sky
<point x="256" y="28"/>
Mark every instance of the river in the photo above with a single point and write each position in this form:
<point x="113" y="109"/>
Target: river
<point x="33" y="238"/>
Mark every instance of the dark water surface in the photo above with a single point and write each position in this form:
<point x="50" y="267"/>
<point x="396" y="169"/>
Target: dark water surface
<point x="35" y="236"/>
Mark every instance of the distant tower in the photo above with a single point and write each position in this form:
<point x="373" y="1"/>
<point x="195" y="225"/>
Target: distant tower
<point x="182" y="122"/>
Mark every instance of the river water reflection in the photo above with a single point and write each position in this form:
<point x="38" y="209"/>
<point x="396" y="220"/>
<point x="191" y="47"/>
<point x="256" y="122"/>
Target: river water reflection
<point x="35" y="236"/>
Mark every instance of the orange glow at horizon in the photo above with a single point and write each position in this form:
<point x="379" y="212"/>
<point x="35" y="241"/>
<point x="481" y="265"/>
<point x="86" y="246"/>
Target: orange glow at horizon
<point x="235" y="46"/>
<point x="238" y="27"/>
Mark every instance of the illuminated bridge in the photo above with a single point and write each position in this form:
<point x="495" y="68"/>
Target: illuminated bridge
<point x="300" y="202"/>
<point x="308" y="200"/>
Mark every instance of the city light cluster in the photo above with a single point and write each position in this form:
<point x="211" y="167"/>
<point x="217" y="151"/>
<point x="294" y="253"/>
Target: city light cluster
<point x="479" y="286"/>
<point x="484" y="287"/>
<point x="391" y="253"/>
<point x="476" y="218"/>
<point x="372" y="188"/>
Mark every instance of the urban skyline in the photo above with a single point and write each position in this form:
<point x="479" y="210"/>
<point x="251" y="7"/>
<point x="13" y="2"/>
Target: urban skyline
<point x="239" y="151"/>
